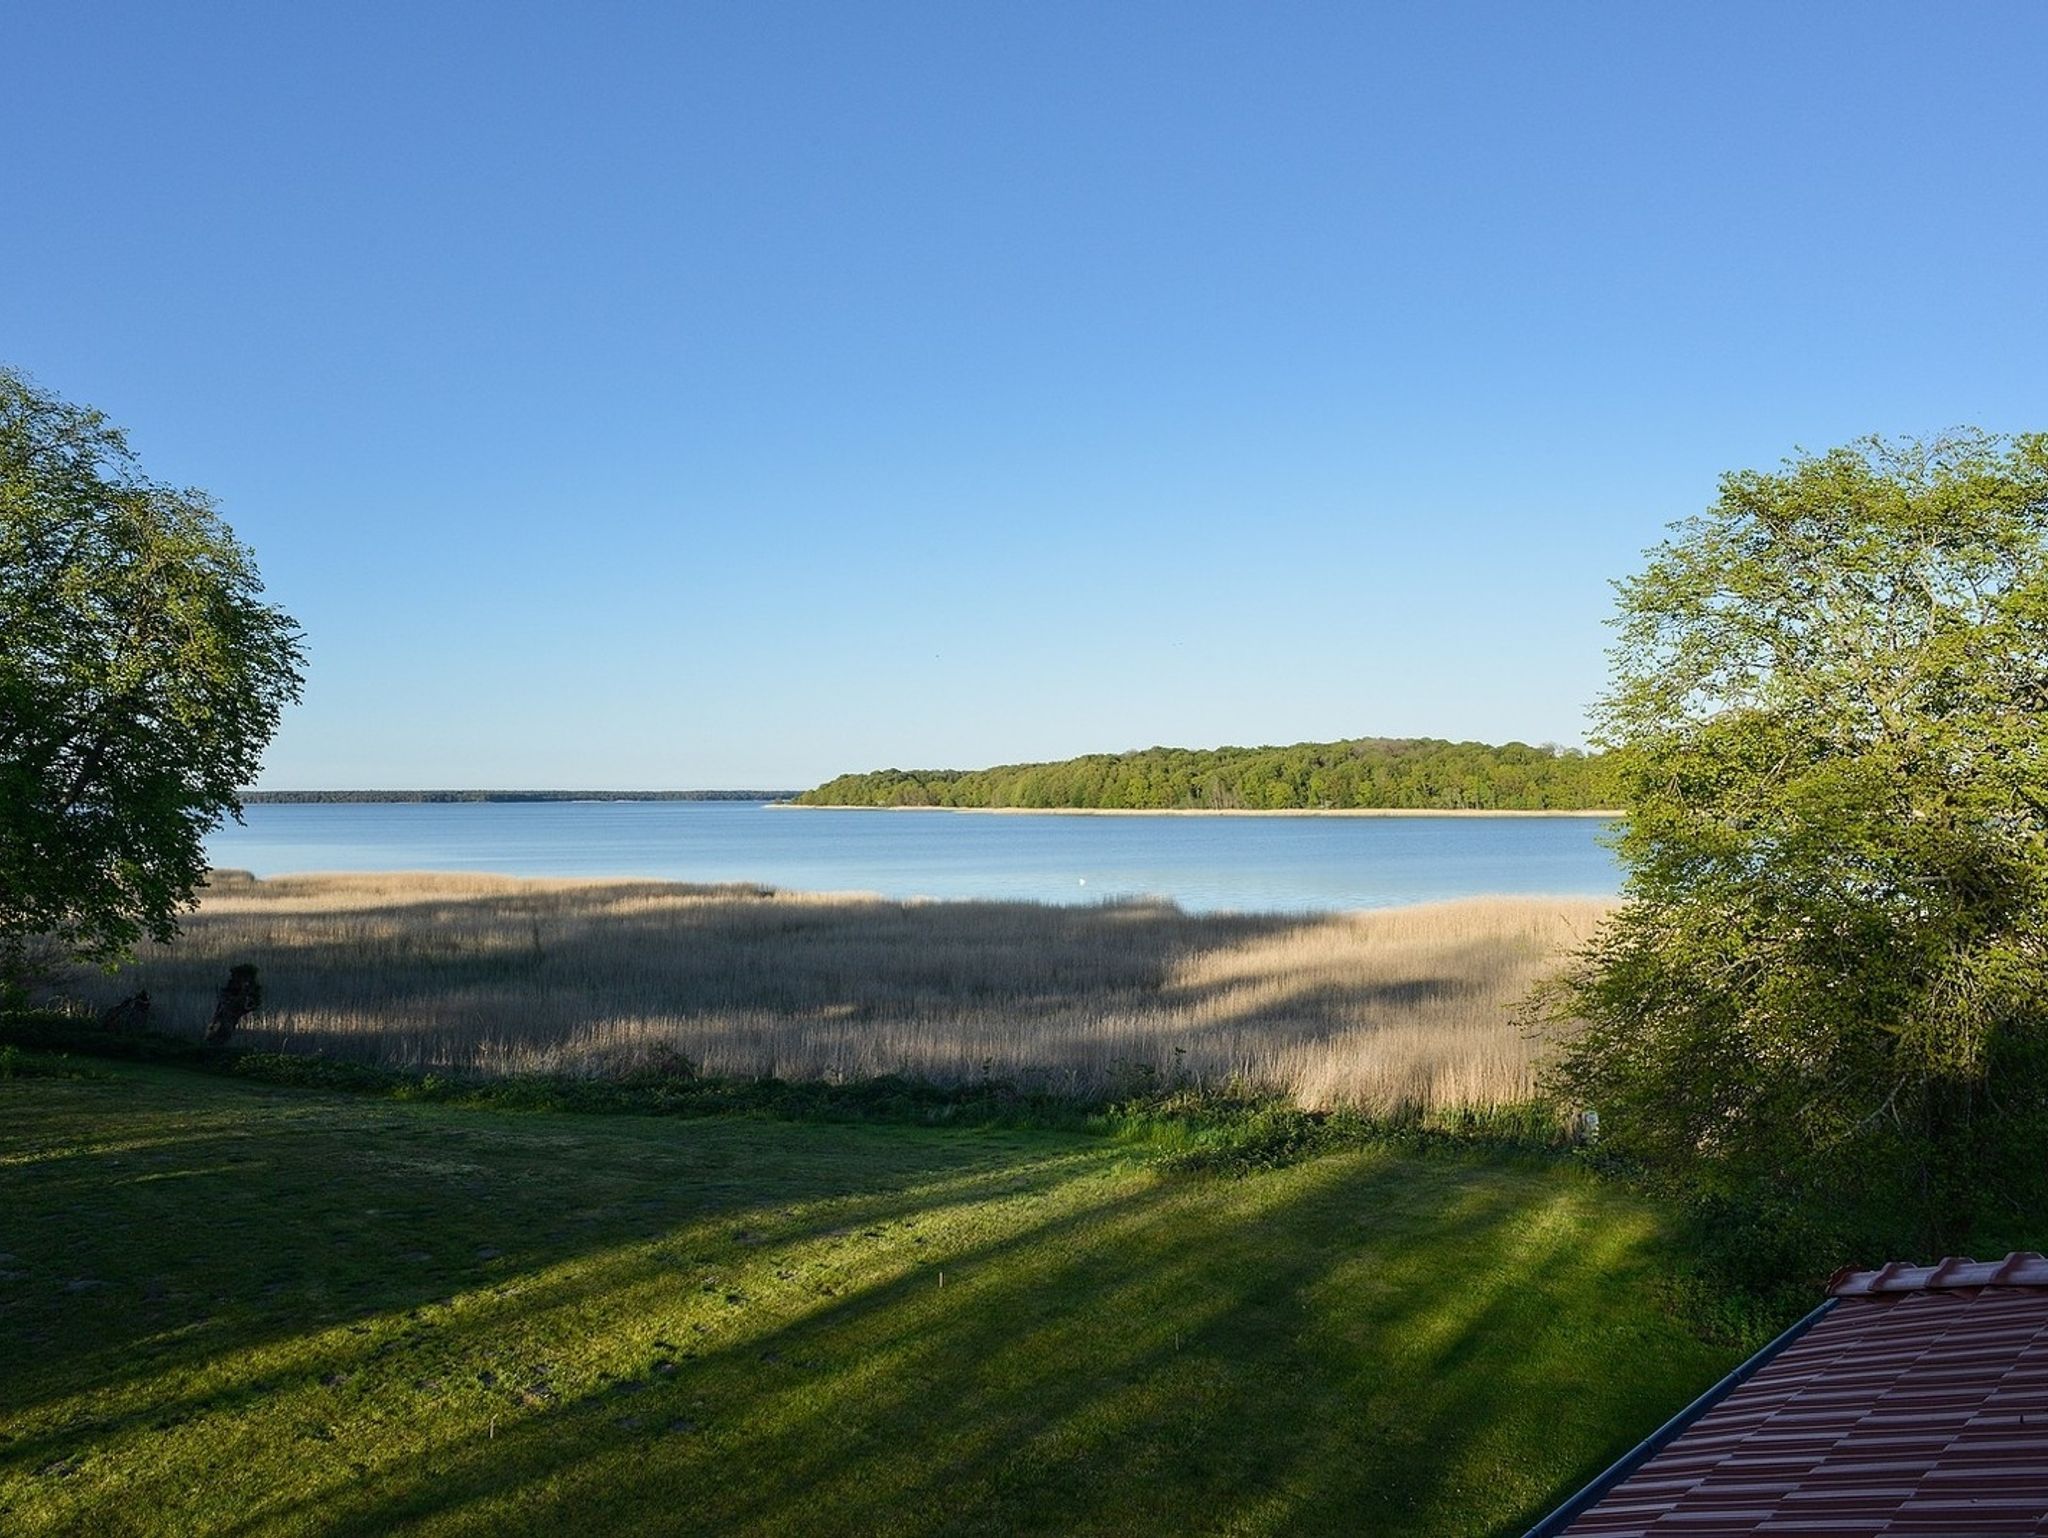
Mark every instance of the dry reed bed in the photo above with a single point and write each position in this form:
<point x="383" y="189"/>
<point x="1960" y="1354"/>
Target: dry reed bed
<point x="1398" y="1006"/>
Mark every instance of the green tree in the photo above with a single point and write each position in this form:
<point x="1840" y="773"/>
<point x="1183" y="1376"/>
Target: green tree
<point x="141" y="675"/>
<point x="1369" y="773"/>
<point x="1830" y="975"/>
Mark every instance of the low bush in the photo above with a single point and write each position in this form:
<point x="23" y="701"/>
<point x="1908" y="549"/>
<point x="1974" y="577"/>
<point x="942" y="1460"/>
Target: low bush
<point x="1231" y="1131"/>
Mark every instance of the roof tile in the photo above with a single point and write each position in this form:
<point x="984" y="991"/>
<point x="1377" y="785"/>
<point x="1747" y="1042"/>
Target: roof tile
<point x="1917" y="1405"/>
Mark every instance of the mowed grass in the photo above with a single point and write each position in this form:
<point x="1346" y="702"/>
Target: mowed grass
<point x="232" y="1309"/>
<point x="1391" y="1009"/>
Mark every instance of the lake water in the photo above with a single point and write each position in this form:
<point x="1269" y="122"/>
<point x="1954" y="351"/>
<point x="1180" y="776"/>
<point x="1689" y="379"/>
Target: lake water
<point x="1202" y="863"/>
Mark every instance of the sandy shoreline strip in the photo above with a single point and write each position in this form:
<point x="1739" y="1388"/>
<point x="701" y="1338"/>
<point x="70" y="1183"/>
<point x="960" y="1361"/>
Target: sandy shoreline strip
<point x="1139" y="811"/>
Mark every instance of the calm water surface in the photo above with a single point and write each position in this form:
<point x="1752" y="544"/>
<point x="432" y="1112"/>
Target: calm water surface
<point x="1202" y="863"/>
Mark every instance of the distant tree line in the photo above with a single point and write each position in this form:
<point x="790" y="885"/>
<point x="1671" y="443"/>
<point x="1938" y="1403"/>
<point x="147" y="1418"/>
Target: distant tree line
<point x="314" y="797"/>
<point x="1366" y="773"/>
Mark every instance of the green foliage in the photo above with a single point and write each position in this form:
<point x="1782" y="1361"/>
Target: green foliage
<point x="1827" y="980"/>
<point x="140" y="677"/>
<point x="1240" y="1131"/>
<point x="1371" y="773"/>
<point x="1233" y="1130"/>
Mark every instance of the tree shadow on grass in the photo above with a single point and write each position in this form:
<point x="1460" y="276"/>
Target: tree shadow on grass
<point x="741" y="1327"/>
<point x="172" y="1237"/>
<point x="1312" y="1352"/>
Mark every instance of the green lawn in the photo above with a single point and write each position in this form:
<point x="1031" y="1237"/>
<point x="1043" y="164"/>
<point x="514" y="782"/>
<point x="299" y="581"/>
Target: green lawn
<point x="226" y="1308"/>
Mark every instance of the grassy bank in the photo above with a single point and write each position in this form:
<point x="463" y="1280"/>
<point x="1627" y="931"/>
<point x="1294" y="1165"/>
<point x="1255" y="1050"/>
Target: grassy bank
<point x="1403" y="1007"/>
<point x="231" y="1307"/>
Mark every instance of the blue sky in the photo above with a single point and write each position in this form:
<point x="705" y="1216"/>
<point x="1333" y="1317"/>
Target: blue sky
<point x="735" y="394"/>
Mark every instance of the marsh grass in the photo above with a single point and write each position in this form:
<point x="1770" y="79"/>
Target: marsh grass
<point x="1404" y="1008"/>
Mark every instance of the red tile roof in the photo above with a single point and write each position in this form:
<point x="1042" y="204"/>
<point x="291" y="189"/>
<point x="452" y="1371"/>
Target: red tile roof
<point x="1916" y="1402"/>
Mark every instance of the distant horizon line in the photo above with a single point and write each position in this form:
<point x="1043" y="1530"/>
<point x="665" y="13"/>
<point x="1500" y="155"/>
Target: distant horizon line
<point x="275" y="797"/>
<point x="477" y="793"/>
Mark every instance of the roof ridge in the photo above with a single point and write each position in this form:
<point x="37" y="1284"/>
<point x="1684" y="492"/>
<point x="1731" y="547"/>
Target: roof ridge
<point x="2020" y="1268"/>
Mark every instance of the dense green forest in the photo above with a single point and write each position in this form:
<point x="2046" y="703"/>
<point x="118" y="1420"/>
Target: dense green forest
<point x="276" y="797"/>
<point x="1418" y="774"/>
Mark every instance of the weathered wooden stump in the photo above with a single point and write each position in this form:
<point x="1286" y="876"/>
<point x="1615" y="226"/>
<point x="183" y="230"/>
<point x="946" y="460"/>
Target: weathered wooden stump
<point x="240" y="996"/>
<point x="131" y="1014"/>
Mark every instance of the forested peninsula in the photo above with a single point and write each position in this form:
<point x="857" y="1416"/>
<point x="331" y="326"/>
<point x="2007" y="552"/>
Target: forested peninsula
<point x="1363" y="774"/>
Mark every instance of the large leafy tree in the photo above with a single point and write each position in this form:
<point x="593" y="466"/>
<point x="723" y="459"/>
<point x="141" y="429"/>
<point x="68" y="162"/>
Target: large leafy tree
<point x="141" y="675"/>
<point x="1829" y="977"/>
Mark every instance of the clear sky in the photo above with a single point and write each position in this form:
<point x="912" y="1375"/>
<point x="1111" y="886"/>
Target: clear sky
<point x="734" y="394"/>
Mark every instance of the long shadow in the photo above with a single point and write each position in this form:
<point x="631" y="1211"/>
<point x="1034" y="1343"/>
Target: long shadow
<point x="174" y="1237"/>
<point x="542" y="1447"/>
<point x="1082" y="998"/>
<point x="1082" y="1361"/>
<point x="832" y="959"/>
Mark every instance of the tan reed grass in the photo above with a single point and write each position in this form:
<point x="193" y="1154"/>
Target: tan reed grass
<point x="1405" y="1006"/>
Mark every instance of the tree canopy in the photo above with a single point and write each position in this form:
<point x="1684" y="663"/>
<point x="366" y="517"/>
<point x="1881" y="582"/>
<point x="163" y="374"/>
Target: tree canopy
<point x="1831" y="968"/>
<point x="141" y="675"/>
<point x="1364" y="773"/>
